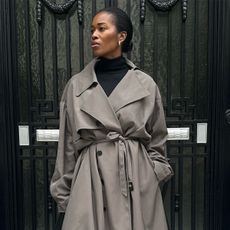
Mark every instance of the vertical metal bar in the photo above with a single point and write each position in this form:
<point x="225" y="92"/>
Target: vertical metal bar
<point x="42" y="96"/>
<point x="142" y="51"/>
<point x="29" y="87"/>
<point x="180" y="189"/>
<point x="46" y="187"/>
<point x="41" y="60"/>
<point x="168" y="109"/>
<point x="81" y="46"/>
<point x="169" y="65"/>
<point x="206" y="194"/>
<point x="213" y="17"/>
<point x="195" y="93"/>
<point x="128" y="5"/>
<point x="182" y="95"/>
<point x="55" y="73"/>
<point x="33" y="193"/>
<point x="196" y="56"/>
<point x="94" y="7"/>
<point x="107" y="3"/>
<point x="21" y="192"/>
<point x="183" y="57"/>
<point x="173" y="202"/>
<point x="155" y="54"/>
<point x="68" y="49"/>
<point x="193" y="193"/>
<point x="54" y="56"/>
<point x="9" y="9"/>
<point x="114" y="3"/>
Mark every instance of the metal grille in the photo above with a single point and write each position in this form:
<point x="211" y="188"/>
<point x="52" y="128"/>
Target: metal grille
<point x="170" y="43"/>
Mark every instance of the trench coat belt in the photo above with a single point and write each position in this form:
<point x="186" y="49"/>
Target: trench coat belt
<point x="125" y="170"/>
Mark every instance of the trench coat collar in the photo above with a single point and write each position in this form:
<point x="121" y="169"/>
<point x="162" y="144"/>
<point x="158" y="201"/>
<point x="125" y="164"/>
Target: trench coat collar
<point x="128" y="90"/>
<point x="88" y="76"/>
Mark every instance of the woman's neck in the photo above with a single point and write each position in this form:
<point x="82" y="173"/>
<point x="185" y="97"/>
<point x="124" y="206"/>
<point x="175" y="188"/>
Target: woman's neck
<point x="106" y="65"/>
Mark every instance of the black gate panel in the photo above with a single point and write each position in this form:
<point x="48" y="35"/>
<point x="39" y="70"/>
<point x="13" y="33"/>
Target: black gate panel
<point x="170" y="43"/>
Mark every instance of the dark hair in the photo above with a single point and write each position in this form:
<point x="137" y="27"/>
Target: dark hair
<point x="122" y="23"/>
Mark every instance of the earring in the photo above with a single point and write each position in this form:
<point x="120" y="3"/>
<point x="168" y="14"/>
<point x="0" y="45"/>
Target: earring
<point x="119" y="43"/>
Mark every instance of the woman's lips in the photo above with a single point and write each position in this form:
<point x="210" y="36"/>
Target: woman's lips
<point x="95" y="45"/>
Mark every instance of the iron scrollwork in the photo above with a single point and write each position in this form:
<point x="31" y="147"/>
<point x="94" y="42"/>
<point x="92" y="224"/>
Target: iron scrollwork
<point x="163" y="5"/>
<point x="39" y="11"/>
<point x="80" y="11"/>
<point x="60" y="8"/>
<point x="142" y="10"/>
<point x="184" y="9"/>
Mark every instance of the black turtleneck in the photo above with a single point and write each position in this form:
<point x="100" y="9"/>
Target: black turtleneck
<point x="110" y="72"/>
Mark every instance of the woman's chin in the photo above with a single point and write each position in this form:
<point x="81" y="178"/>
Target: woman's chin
<point x="96" y="54"/>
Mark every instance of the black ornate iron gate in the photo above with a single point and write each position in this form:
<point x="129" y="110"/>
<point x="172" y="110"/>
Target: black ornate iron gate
<point x="170" y="43"/>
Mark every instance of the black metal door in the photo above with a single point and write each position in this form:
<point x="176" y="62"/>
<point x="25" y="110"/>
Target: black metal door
<point x="170" y="43"/>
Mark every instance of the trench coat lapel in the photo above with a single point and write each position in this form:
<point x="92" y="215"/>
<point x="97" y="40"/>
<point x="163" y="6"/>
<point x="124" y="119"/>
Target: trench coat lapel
<point x="128" y="90"/>
<point x="94" y="100"/>
<point x="96" y="103"/>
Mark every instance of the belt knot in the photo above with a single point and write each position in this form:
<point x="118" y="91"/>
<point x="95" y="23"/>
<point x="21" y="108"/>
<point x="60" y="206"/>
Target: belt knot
<point x="115" y="136"/>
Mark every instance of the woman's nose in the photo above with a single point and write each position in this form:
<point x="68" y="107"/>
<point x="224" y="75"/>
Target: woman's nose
<point x="94" y="35"/>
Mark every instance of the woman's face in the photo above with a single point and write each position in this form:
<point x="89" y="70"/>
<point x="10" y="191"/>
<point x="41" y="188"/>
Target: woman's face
<point x="105" y="38"/>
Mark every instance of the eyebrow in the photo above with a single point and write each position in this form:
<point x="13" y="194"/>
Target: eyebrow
<point x="99" y="24"/>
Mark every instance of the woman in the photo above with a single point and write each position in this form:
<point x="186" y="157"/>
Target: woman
<point x="112" y="139"/>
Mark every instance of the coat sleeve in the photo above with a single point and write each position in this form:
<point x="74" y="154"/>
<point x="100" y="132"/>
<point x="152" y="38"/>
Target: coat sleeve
<point x="65" y="162"/>
<point x="157" y="145"/>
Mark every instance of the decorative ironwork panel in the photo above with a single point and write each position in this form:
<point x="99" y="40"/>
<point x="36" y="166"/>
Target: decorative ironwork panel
<point x="163" y="4"/>
<point x="170" y="43"/>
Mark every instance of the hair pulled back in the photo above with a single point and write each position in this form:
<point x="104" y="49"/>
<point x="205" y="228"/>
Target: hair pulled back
<point x="122" y="23"/>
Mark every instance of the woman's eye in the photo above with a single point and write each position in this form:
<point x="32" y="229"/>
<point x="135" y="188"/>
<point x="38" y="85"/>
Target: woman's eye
<point x="101" y="29"/>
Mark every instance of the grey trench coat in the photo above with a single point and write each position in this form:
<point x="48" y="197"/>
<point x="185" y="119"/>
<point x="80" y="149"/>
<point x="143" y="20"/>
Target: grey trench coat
<point x="111" y="154"/>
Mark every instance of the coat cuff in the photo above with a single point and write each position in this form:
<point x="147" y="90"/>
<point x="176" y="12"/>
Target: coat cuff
<point x="163" y="172"/>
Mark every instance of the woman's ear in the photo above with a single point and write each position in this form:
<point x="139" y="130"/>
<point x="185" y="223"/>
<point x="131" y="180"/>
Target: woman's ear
<point x="122" y="36"/>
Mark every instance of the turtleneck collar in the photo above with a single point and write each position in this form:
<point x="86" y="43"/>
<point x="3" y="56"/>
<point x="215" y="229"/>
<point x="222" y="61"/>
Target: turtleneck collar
<point x="107" y="65"/>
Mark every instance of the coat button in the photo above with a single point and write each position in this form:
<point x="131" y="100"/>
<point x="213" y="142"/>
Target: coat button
<point x="104" y="209"/>
<point x="99" y="153"/>
<point x="130" y="186"/>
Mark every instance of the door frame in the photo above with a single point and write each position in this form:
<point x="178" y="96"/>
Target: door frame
<point x="8" y="116"/>
<point x="218" y="129"/>
<point x="219" y="102"/>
